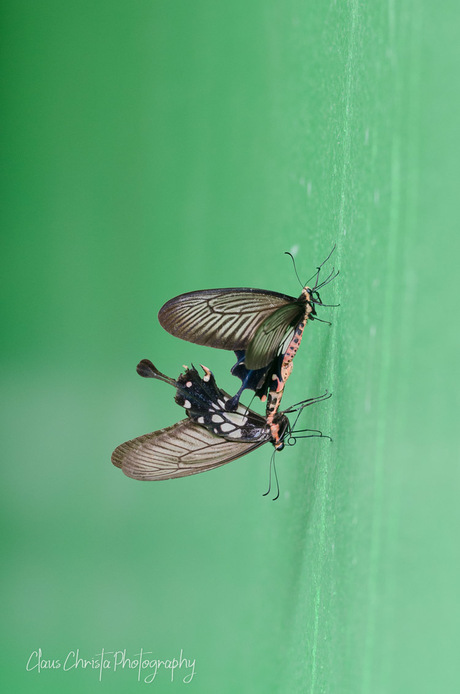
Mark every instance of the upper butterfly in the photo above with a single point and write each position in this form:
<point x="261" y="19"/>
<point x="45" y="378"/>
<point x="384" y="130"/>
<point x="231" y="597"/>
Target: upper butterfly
<point x="258" y="324"/>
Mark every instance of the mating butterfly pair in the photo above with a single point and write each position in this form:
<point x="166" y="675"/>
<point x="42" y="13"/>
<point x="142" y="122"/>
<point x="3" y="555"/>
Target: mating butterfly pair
<point x="264" y="329"/>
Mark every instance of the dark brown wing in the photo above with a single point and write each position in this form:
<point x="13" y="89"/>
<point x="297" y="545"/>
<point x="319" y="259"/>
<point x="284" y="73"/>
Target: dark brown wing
<point x="222" y="318"/>
<point x="182" y="449"/>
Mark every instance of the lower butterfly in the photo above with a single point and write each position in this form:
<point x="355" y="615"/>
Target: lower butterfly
<point x="209" y="436"/>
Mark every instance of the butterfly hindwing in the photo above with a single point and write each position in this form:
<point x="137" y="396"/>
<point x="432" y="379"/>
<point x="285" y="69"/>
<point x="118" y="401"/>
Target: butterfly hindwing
<point x="266" y="343"/>
<point x="206" y="405"/>
<point x="185" y="448"/>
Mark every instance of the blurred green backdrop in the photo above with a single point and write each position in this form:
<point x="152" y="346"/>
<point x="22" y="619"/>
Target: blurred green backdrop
<point x="156" y="147"/>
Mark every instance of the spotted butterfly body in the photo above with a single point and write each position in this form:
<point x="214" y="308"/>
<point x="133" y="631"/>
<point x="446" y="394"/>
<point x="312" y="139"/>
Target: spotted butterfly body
<point x="206" y="405"/>
<point x="210" y="436"/>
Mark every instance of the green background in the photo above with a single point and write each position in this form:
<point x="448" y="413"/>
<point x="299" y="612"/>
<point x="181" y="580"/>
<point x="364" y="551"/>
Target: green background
<point x="152" y="148"/>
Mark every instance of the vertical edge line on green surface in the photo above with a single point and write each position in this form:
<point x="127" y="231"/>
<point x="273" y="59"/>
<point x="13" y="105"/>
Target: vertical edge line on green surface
<point x="346" y="121"/>
<point x="349" y="72"/>
<point x="404" y="314"/>
<point x="407" y="298"/>
<point x="376" y="521"/>
<point x="384" y="378"/>
<point x="318" y="574"/>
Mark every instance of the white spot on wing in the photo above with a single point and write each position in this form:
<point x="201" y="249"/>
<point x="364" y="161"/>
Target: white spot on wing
<point x="187" y="404"/>
<point x="217" y="418"/>
<point x="226" y="426"/>
<point x="237" y="419"/>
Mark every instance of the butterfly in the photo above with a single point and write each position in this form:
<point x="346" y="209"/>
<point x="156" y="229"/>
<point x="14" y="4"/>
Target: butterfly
<point x="208" y="437"/>
<point x="264" y="328"/>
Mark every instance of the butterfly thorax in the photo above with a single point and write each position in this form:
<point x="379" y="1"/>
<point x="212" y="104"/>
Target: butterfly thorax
<point x="205" y="404"/>
<point x="307" y="296"/>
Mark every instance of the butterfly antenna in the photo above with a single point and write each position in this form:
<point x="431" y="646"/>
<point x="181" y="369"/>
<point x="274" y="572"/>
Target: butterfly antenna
<point x="325" y="261"/>
<point x="332" y="275"/>
<point x="295" y="269"/>
<point x="318" y="269"/>
<point x="272" y="465"/>
<point x="276" y="478"/>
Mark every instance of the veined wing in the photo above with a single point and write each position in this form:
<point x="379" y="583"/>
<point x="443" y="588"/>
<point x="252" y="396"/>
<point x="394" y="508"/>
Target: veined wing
<point x="182" y="449"/>
<point x="222" y="318"/>
<point x="265" y="344"/>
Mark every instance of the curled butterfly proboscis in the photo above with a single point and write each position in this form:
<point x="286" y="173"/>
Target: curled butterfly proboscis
<point x="258" y="324"/>
<point x="208" y="437"/>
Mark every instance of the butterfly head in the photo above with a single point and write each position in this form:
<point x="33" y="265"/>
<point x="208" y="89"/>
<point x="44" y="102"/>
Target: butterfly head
<point x="310" y="297"/>
<point x="279" y="430"/>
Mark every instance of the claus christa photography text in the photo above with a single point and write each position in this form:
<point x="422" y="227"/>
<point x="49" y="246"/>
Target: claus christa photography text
<point x="144" y="665"/>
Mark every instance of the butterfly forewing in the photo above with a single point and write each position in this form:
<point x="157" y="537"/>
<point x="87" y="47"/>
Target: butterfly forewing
<point x="222" y="318"/>
<point x="182" y="449"/>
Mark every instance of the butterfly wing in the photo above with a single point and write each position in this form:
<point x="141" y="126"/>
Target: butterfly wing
<point x="222" y="318"/>
<point x="265" y="345"/>
<point x="182" y="449"/>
